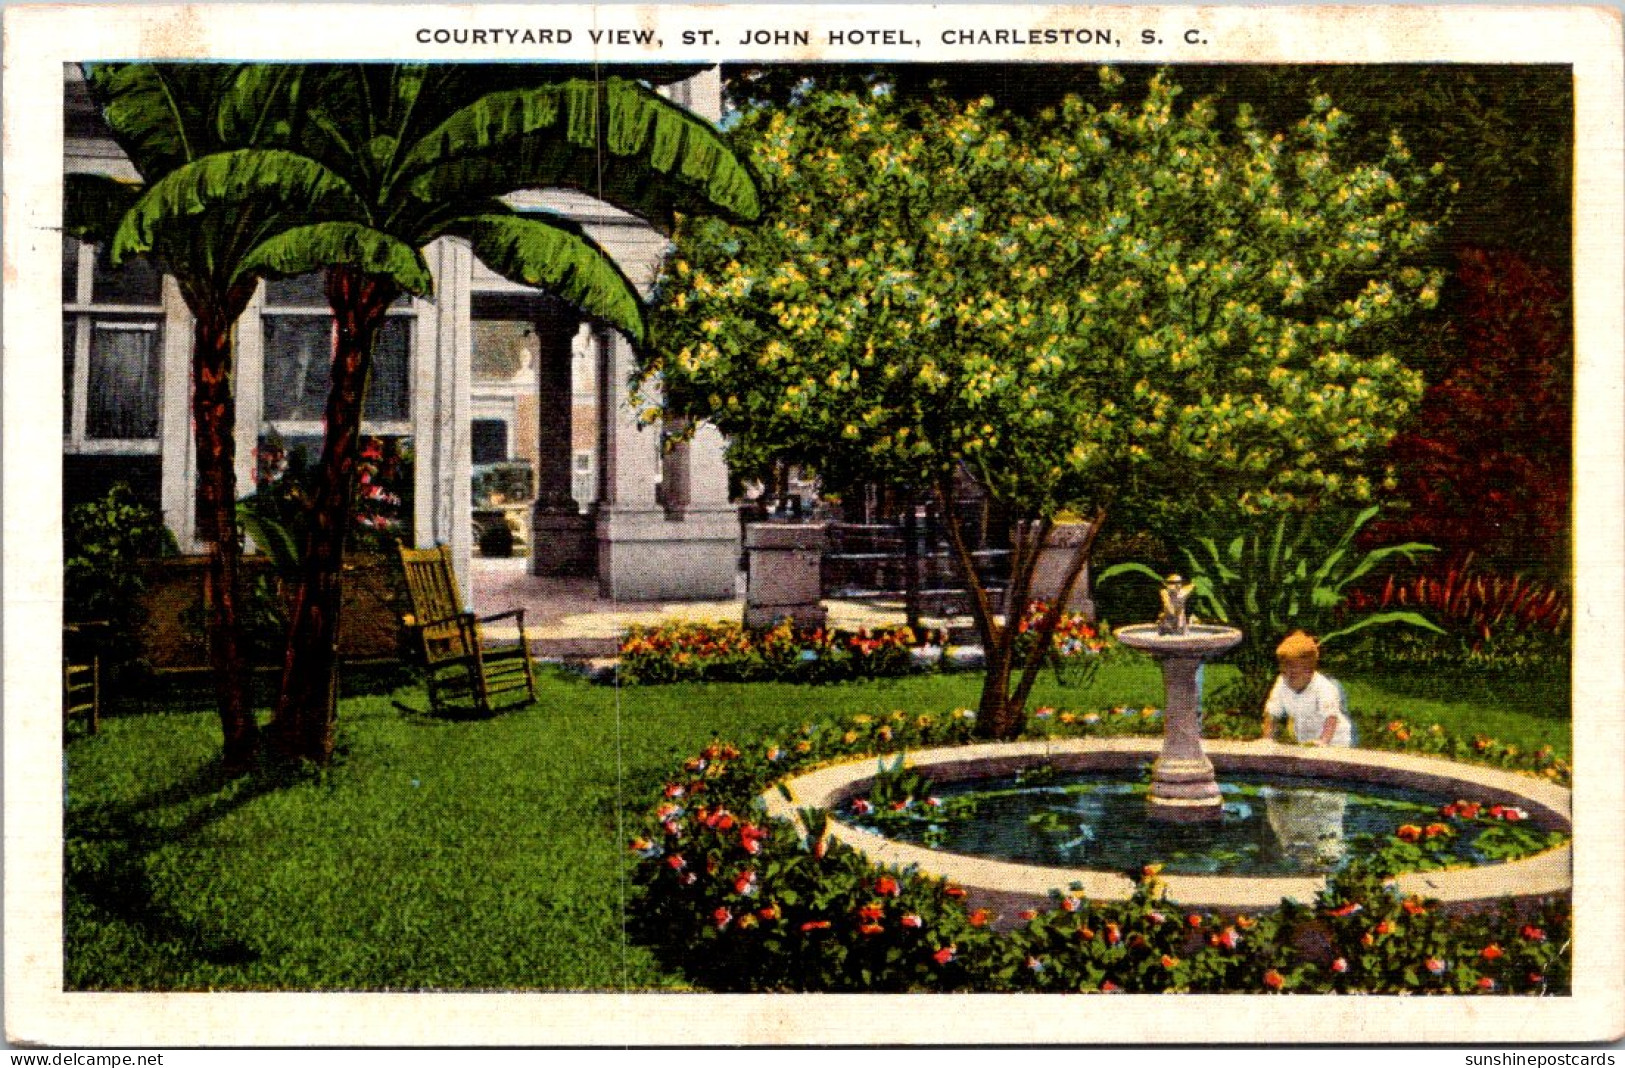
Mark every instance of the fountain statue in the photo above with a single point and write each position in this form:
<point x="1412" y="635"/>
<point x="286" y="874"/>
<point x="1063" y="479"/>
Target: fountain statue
<point x="1174" y="618"/>
<point x="1183" y="786"/>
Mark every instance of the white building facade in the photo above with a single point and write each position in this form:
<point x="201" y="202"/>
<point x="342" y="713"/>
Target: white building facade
<point x="484" y="366"/>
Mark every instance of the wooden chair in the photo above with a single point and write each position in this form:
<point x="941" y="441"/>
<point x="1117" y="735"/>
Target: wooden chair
<point x="464" y="675"/>
<point x="81" y="674"/>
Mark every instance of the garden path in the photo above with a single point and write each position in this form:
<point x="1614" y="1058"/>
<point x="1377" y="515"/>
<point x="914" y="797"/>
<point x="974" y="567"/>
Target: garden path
<point x="566" y="618"/>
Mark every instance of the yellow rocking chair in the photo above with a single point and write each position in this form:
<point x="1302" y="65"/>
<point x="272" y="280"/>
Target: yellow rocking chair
<point x="464" y="675"/>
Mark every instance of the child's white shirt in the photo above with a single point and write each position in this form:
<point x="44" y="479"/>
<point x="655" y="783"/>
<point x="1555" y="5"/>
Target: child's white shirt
<point x="1308" y="710"/>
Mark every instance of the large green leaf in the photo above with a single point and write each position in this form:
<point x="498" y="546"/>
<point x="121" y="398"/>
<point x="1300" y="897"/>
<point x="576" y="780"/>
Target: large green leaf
<point x="550" y="136"/>
<point x="161" y="114"/>
<point x="303" y="249"/>
<point x="253" y="182"/>
<point x="94" y="204"/>
<point x="553" y="253"/>
<point x="1381" y="619"/>
<point x="260" y="105"/>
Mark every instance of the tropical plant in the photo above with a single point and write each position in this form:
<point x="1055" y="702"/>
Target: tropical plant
<point x="1271" y="579"/>
<point x="1119" y="307"/>
<point x="1482" y="610"/>
<point x="427" y="150"/>
<point x="216" y="191"/>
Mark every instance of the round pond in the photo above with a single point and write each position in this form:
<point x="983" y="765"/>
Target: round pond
<point x="1007" y="883"/>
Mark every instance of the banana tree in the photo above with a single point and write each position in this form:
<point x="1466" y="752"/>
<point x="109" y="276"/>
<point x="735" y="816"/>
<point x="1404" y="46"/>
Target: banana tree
<point x="215" y="189"/>
<point x="428" y="151"/>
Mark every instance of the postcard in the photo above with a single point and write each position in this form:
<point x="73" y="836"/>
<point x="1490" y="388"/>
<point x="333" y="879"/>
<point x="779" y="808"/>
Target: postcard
<point x="596" y="525"/>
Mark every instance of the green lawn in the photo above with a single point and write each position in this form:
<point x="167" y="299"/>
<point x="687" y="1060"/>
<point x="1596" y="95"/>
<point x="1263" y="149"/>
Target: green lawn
<point x="465" y="855"/>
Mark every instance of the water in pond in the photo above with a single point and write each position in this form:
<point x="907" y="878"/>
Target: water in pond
<point x="1271" y="825"/>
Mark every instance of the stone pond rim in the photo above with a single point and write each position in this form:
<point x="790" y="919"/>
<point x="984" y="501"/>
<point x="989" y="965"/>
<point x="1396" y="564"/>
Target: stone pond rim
<point x="1008" y="886"/>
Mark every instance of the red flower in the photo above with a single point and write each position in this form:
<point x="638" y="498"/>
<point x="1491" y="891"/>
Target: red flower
<point x="1536" y="977"/>
<point x="1228" y="938"/>
<point x="1109" y="987"/>
<point x="815" y="925"/>
<point x="676" y="862"/>
<point x="862" y="807"/>
<point x="1340" y="965"/>
<point x="1433" y="830"/>
<point x="954" y="891"/>
<point x="913" y="920"/>
<point x="771" y="912"/>
<point x="1155" y="917"/>
<point x="1492" y="952"/>
<point x="945" y="954"/>
<point x="1169" y="962"/>
<point x="1069" y="904"/>
<point x="888" y="886"/>
<point x="1027" y="914"/>
<point x="1113" y="935"/>
<point x="871" y="912"/>
<point x="870" y="928"/>
<point x="1434" y="965"/>
<point x="1087" y="934"/>
<point x="745" y="883"/>
<point x="1384" y="927"/>
<point x="1194" y="920"/>
<point x="979" y="917"/>
<point x="722" y="917"/>
<point x="1410" y="832"/>
<point x="1486" y="983"/>
<point x="1274" y="979"/>
<point x="1345" y="910"/>
<point x="1533" y="933"/>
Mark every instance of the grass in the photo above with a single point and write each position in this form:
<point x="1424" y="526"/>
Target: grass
<point x="459" y="855"/>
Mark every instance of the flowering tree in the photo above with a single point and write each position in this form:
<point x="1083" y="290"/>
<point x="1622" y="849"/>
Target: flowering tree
<point x="1100" y="307"/>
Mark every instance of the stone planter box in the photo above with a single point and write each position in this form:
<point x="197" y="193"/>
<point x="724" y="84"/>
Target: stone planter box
<point x="172" y="639"/>
<point x="1053" y="561"/>
<point x="785" y="560"/>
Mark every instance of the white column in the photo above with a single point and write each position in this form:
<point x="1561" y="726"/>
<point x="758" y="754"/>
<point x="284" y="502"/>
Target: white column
<point x="632" y="450"/>
<point x="708" y="470"/>
<point x="442" y="398"/>
<point x="250" y="382"/>
<point x="177" y="451"/>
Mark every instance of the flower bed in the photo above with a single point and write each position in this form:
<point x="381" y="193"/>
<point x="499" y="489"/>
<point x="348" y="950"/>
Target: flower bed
<point x="739" y="902"/>
<point x="730" y="652"/>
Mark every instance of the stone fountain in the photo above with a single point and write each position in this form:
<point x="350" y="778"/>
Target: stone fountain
<point x="1183" y="786"/>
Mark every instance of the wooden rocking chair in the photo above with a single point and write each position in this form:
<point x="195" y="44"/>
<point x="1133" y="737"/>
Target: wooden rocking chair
<point x="464" y="676"/>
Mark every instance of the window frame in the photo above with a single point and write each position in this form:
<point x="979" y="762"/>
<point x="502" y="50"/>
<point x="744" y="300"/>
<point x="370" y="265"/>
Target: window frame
<point x="81" y="314"/>
<point x="304" y="428"/>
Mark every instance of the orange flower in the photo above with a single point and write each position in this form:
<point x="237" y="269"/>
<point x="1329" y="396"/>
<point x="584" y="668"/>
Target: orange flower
<point x="1274" y="979"/>
<point x="979" y="917"/>
<point x="1492" y="951"/>
<point x="1410" y="832"/>
<point x="1169" y="962"/>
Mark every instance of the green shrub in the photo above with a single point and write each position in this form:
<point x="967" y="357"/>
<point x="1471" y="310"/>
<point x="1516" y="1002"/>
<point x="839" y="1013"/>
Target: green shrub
<point x="104" y="544"/>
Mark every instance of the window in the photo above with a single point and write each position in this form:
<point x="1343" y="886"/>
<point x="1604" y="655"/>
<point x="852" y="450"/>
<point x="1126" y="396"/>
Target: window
<point x="490" y="440"/>
<point x="112" y="352"/>
<point x="299" y="335"/>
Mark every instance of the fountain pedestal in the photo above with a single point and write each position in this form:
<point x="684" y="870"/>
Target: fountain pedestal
<point x="1183" y="787"/>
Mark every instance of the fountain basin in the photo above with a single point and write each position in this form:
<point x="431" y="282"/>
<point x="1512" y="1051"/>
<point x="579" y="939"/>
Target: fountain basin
<point x="1009" y="886"/>
<point x="1198" y="641"/>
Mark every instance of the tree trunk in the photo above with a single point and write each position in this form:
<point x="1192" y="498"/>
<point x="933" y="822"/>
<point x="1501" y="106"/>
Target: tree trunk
<point x="307" y="700"/>
<point x="214" y="415"/>
<point x="1001" y="713"/>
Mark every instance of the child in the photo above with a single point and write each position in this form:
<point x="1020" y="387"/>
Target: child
<point x="1311" y="701"/>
